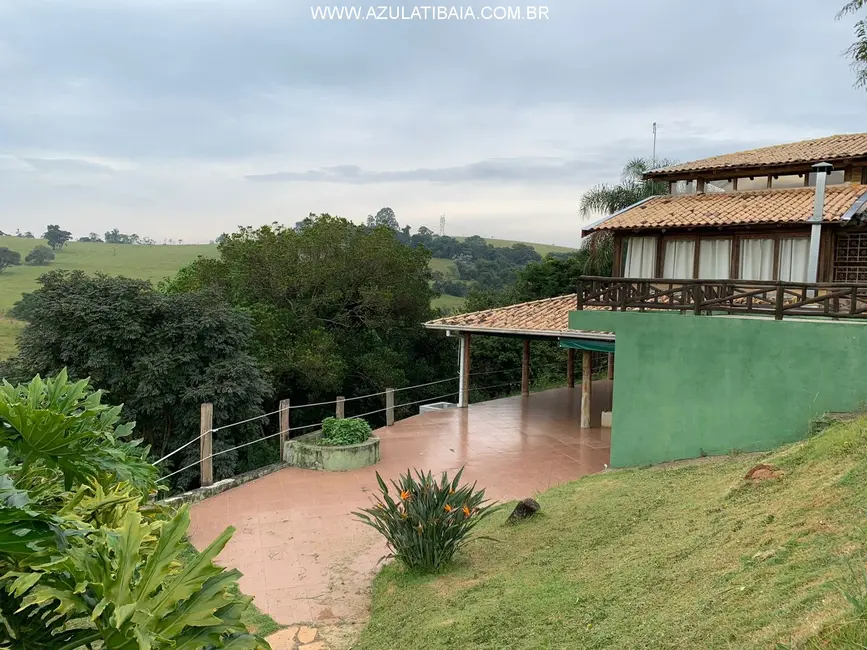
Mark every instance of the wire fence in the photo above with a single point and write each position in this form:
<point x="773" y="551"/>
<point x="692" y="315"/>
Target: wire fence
<point x="598" y="364"/>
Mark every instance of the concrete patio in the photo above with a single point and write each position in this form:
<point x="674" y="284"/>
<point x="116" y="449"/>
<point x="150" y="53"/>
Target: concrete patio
<point x="304" y="556"/>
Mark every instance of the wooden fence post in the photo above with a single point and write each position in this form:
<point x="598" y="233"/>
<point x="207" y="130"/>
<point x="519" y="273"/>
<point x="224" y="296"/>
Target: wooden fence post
<point x="284" y="427"/>
<point x="206" y="444"/>
<point x="389" y="407"/>
<point x="340" y="410"/>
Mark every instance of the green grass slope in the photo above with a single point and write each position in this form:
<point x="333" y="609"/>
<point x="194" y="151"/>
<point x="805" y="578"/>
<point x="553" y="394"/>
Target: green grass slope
<point x="684" y="556"/>
<point x="542" y="249"/>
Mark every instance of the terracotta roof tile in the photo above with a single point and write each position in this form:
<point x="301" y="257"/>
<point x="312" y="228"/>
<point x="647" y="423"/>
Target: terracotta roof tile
<point x="835" y="147"/>
<point x="733" y="208"/>
<point x="549" y="315"/>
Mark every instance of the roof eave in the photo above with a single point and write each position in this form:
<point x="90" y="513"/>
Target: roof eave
<point x="572" y="334"/>
<point x="593" y="226"/>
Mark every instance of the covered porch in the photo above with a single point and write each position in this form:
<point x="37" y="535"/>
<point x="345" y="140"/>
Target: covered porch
<point x="538" y="320"/>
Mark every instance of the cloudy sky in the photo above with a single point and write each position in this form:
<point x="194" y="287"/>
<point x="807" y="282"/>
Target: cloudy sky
<point x="186" y="118"/>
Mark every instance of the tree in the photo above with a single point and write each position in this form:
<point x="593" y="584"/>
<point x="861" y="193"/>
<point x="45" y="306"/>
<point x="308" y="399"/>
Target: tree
<point x="858" y="50"/>
<point x="9" y="258"/>
<point x="39" y="256"/>
<point x="337" y="309"/>
<point x="92" y="238"/>
<point x="385" y="217"/>
<point x="29" y="235"/>
<point x="161" y="355"/>
<point x="56" y="237"/>
<point x="607" y="199"/>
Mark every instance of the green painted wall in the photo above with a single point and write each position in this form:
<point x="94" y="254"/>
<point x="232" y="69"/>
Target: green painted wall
<point x="686" y="385"/>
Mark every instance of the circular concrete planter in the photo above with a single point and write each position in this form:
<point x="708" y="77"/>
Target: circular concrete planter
<point x="304" y="451"/>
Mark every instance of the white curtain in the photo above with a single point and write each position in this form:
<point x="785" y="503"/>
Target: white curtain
<point x="714" y="259"/>
<point x="640" y="257"/>
<point x="679" y="259"/>
<point x="794" y="254"/>
<point x="757" y="259"/>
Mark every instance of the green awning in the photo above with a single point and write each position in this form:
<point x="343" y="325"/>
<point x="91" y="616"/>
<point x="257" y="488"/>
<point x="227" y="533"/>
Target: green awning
<point x="588" y="344"/>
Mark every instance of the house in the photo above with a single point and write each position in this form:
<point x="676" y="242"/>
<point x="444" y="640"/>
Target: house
<point x="737" y="309"/>
<point x="752" y="215"/>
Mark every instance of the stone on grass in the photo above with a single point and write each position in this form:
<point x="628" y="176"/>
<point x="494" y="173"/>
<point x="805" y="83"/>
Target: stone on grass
<point x="524" y="510"/>
<point x="307" y="635"/>
<point x="284" y="639"/>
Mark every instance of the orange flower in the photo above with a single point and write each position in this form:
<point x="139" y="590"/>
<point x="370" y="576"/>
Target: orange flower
<point x="404" y="495"/>
<point x="466" y="511"/>
<point x="448" y="508"/>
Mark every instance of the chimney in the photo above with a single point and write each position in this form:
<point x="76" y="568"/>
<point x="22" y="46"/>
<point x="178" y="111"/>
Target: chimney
<point x="822" y="171"/>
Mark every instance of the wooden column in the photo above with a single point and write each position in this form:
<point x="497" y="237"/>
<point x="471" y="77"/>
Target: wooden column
<point x="340" y="408"/>
<point x="465" y="370"/>
<point x="206" y="444"/>
<point x="570" y="368"/>
<point x="610" y="365"/>
<point x="284" y="427"/>
<point x="389" y="407"/>
<point x="586" y="384"/>
<point x="525" y="369"/>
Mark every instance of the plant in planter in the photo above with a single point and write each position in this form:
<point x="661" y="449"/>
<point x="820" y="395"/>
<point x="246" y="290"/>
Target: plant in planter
<point x="338" y="432"/>
<point x="427" y="521"/>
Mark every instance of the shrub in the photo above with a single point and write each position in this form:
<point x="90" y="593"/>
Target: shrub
<point x="39" y="256"/>
<point x="344" y="432"/>
<point x="427" y="521"/>
<point x="87" y="559"/>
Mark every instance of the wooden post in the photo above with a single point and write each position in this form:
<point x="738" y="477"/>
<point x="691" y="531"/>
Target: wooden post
<point x="570" y="368"/>
<point x="610" y="365"/>
<point x="284" y="427"/>
<point x="465" y="370"/>
<point x="206" y="444"/>
<point x="340" y="410"/>
<point x="586" y="382"/>
<point x="525" y="369"/>
<point x="389" y="407"/>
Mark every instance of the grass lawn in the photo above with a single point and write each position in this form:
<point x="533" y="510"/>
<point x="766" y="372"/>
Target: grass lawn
<point x="685" y="556"/>
<point x="445" y="301"/>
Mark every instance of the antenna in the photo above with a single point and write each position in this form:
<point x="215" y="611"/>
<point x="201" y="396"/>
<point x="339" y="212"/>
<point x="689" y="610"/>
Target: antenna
<point x="442" y="225"/>
<point x="654" y="144"/>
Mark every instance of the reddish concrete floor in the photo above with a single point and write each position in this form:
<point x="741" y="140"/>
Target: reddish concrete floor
<point x="304" y="556"/>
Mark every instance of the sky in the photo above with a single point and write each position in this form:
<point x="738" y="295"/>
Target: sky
<point x="183" y="119"/>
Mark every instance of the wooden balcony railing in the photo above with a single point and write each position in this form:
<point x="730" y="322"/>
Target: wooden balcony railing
<point x="732" y="296"/>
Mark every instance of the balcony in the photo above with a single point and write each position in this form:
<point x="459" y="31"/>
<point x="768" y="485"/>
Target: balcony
<point x="777" y="299"/>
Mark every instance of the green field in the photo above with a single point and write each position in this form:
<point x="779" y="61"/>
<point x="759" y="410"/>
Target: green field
<point x="542" y="249"/>
<point x="690" y="555"/>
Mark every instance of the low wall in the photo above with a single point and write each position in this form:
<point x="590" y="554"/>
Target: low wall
<point x="304" y="452"/>
<point x="687" y="385"/>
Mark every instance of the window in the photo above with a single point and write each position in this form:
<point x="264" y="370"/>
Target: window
<point x="682" y="187"/>
<point x="715" y="187"/>
<point x="640" y="257"/>
<point x="787" y="180"/>
<point x="714" y="259"/>
<point x="757" y="259"/>
<point x="679" y="260"/>
<point x="747" y="183"/>
<point x="850" y="257"/>
<point x="834" y="178"/>
<point x="794" y="256"/>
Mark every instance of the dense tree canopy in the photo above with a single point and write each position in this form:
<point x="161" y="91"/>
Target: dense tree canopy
<point x="56" y="237"/>
<point x="161" y="356"/>
<point x="39" y="256"/>
<point x="337" y="307"/>
<point x="9" y="257"/>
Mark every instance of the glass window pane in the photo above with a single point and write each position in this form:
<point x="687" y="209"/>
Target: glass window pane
<point x="683" y="187"/>
<point x="640" y="257"/>
<point x="757" y="259"/>
<point x="834" y="178"/>
<point x="679" y="259"/>
<point x="715" y="187"/>
<point x="714" y="259"/>
<point x="794" y="255"/>
<point x="788" y="180"/>
<point x="756" y="183"/>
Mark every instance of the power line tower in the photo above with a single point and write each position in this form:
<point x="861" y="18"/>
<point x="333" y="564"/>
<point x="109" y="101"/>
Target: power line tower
<point x="442" y="225"/>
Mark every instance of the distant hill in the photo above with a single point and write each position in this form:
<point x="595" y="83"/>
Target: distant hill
<point x="146" y="262"/>
<point x="542" y="249"/>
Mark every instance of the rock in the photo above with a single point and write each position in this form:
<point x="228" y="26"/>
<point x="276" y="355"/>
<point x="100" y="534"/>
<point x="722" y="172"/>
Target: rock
<point x="524" y="510"/>
<point x="284" y="639"/>
<point x="307" y="635"/>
